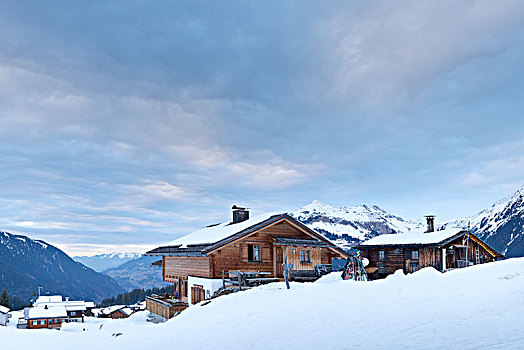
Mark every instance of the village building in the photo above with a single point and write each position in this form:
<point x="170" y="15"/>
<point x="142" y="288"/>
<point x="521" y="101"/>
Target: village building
<point x="50" y="311"/>
<point x="76" y="309"/>
<point x="45" y="317"/>
<point x="115" y="311"/>
<point x="198" y="262"/>
<point x="409" y="252"/>
<point x="4" y="315"/>
<point x="164" y="305"/>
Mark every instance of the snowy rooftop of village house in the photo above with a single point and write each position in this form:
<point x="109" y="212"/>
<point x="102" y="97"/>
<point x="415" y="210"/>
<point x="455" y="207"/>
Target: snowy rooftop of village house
<point x="49" y="299"/>
<point x="218" y="232"/>
<point x="57" y="300"/>
<point x="413" y="238"/>
<point x="42" y="312"/>
<point x="3" y="309"/>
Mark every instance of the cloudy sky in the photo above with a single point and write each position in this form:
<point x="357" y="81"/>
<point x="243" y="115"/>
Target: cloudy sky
<point x="124" y="125"/>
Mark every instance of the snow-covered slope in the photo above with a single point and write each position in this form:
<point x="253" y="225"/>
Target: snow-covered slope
<point x="138" y="273"/>
<point x="103" y="262"/>
<point x="350" y="225"/>
<point x="479" y="307"/>
<point x="501" y="225"/>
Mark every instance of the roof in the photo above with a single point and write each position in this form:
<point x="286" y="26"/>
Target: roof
<point x="56" y="301"/>
<point x="204" y="241"/>
<point x="218" y="232"/>
<point x="415" y="238"/>
<point x="126" y="311"/>
<point x="42" y="312"/>
<point x="3" y="309"/>
<point x="49" y="299"/>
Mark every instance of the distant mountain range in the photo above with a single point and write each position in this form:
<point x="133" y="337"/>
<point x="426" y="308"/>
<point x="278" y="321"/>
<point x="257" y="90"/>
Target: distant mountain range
<point x="501" y="225"/>
<point x="349" y="225"/>
<point x="107" y="261"/>
<point x="26" y="264"/>
<point x="138" y="273"/>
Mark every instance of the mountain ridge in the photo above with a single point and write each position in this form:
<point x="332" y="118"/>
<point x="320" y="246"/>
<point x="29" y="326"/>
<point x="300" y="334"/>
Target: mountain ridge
<point x="349" y="225"/>
<point x="26" y="264"/>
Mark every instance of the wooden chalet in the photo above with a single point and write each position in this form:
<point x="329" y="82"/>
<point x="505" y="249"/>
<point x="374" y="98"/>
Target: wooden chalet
<point x="45" y="317"/>
<point x="443" y="250"/>
<point x="75" y="309"/>
<point x="196" y="263"/>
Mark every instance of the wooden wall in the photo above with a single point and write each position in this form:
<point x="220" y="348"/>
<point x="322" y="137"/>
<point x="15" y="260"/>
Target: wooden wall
<point x="294" y="258"/>
<point x="177" y="266"/>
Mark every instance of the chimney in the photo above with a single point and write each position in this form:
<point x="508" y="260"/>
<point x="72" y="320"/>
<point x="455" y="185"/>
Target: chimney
<point x="239" y="214"/>
<point x="430" y="219"/>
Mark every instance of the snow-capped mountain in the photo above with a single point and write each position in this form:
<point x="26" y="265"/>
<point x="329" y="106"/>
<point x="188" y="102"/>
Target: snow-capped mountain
<point x="501" y="225"/>
<point x="26" y="264"/>
<point x="138" y="273"/>
<point x="103" y="262"/>
<point x="349" y="225"/>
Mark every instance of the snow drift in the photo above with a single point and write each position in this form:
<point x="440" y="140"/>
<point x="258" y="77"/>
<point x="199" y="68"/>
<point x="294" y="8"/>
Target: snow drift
<point x="476" y="307"/>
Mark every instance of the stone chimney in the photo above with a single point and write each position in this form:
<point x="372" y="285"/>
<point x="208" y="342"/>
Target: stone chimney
<point x="240" y="214"/>
<point x="430" y="220"/>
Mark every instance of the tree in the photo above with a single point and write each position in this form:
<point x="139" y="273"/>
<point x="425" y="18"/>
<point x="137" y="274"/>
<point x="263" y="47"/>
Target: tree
<point x="4" y="300"/>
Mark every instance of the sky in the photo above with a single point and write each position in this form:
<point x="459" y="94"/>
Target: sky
<point x="125" y="125"/>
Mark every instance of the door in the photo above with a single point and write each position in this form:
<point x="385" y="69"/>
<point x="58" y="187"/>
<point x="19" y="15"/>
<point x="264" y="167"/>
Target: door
<point x="279" y="256"/>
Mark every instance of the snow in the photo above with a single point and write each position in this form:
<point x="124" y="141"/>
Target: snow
<point x="216" y="233"/>
<point x="45" y="299"/>
<point x="357" y="221"/>
<point x="3" y="309"/>
<point x="479" y="307"/>
<point x="413" y="238"/>
<point x="42" y="312"/>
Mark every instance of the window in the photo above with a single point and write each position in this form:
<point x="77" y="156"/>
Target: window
<point x="42" y="321"/>
<point x="253" y="252"/>
<point x="34" y="323"/>
<point x="304" y="256"/>
<point x="414" y="254"/>
<point x="381" y="255"/>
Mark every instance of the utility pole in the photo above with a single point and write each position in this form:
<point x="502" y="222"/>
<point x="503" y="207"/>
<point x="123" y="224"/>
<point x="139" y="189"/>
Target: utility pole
<point x="39" y="288"/>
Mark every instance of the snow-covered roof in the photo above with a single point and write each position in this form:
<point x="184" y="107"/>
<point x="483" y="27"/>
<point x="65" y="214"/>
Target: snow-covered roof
<point x="3" y="309"/>
<point x="126" y="311"/>
<point x="413" y="238"/>
<point x="42" y="312"/>
<point x="216" y="233"/>
<point x="56" y="301"/>
<point x="89" y="304"/>
<point x="49" y="299"/>
<point x="110" y="309"/>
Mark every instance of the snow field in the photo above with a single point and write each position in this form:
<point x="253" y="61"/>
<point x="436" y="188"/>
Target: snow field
<point x="479" y="307"/>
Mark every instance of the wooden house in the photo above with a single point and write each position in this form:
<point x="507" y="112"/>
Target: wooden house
<point x="75" y="308"/>
<point x="4" y="315"/>
<point x="45" y="317"/>
<point x="443" y="250"/>
<point x="196" y="263"/>
<point x="114" y="312"/>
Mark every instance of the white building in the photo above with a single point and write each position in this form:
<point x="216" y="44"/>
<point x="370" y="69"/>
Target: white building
<point x="4" y="315"/>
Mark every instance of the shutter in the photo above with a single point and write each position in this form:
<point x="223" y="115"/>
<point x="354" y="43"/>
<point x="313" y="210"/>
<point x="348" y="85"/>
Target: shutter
<point x="407" y="254"/>
<point x="266" y="254"/>
<point x="243" y="252"/>
<point x="385" y="255"/>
